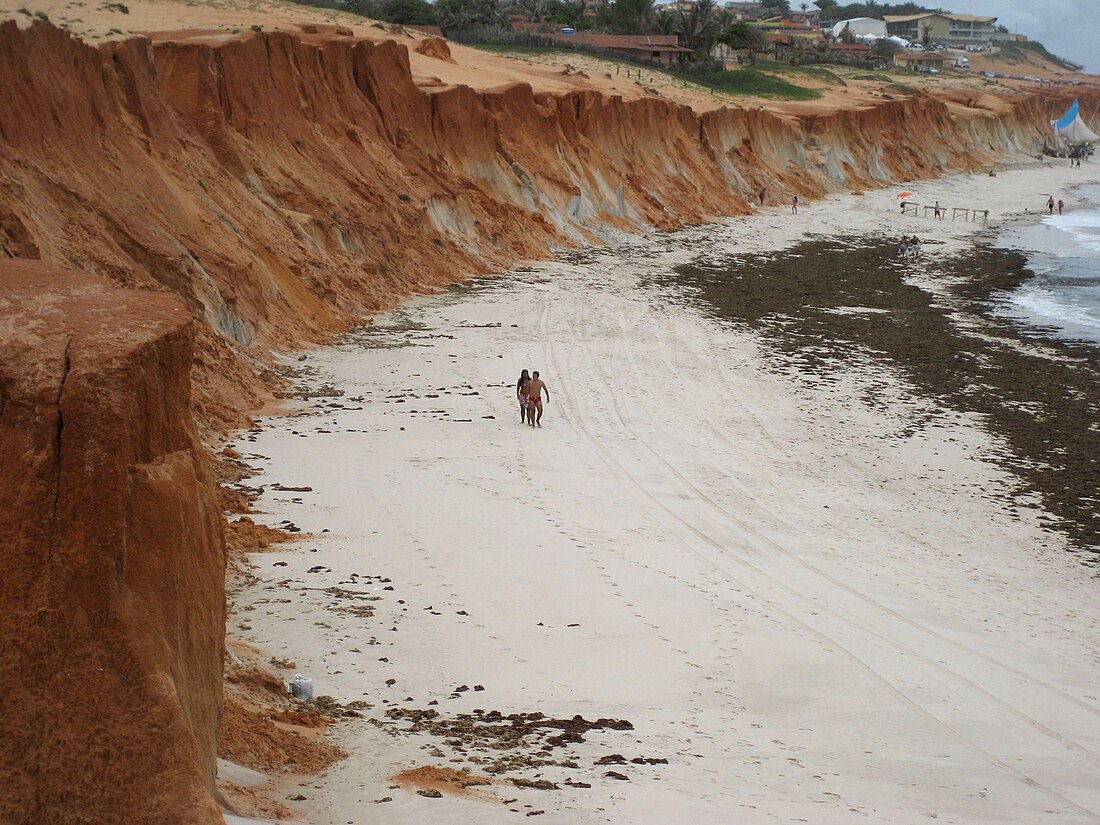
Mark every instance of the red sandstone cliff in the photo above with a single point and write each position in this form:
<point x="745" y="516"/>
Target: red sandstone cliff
<point x="284" y="188"/>
<point x="113" y="617"/>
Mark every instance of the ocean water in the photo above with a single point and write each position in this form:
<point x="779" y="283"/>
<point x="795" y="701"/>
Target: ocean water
<point x="1063" y="297"/>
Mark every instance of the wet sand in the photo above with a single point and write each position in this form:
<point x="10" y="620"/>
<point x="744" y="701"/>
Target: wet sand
<point x="809" y="590"/>
<point x="826" y="306"/>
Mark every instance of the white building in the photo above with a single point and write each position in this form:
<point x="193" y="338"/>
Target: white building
<point x="861" y="27"/>
<point x="942" y="26"/>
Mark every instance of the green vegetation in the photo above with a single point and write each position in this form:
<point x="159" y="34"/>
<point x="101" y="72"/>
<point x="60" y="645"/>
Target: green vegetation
<point x="1012" y="51"/>
<point x="24" y="10"/>
<point x="626" y="16"/>
<point x="751" y="82"/>
<point x="407" y="12"/>
<point x="463" y="15"/>
<point x="901" y="88"/>
<point x="519" y="49"/>
<point x="832" y="10"/>
<point x="816" y="72"/>
<point x="741" y="82"/>
<point x="119" y="7"/>
<point x="41" y="15"/>
<point x="885" y="49"/>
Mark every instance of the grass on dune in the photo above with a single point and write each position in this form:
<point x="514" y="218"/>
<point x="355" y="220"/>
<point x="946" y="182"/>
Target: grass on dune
<point x="752" y="82"/>
<point x="739" y="82"/>
<point x="821" y="73"/>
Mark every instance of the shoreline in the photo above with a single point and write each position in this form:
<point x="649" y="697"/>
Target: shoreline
<point x="712" y="558"/>
<point x="1046" y="257"/>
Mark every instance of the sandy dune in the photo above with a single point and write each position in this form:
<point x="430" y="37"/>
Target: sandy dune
<point x="812" y="618"/>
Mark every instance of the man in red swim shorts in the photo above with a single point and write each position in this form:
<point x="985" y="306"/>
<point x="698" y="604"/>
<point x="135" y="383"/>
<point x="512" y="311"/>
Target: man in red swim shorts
<point x="535" y="388"/>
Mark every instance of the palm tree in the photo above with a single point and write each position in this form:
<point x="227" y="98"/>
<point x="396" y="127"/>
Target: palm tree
<point x="699" y="27"/>
<point x="463" y="15"/>
<point x="573" y="12"/>
<point x="535" y="10"/>
<point x="926" y="34"/>
<point x="665" y="22"/>
<point x="743" y="36"/>
<point x="605" y="14"/>
<point x="827" y="7"/>
<point x="626" y="16"/>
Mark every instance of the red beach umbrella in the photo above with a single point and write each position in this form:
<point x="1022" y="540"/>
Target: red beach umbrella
<point x="903" y="195"/>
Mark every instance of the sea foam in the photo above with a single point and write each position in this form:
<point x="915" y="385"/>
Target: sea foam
<point x="1062" y="298"/>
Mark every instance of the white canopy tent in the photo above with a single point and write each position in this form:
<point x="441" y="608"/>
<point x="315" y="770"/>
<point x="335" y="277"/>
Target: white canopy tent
<point x="861" y="27"/>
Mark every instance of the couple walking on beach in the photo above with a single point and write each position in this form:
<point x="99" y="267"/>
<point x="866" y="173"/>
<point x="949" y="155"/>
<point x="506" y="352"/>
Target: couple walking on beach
<point x="909" y="246"/>
<point x="529" y="390"/>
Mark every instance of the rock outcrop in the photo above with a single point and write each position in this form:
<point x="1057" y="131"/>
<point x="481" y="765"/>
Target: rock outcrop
<point x="284" y="188"/>
<point x="435" y="47"/>
<point x="113" y="622"/>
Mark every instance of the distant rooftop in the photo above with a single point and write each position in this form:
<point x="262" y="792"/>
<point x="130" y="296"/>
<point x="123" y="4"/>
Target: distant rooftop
<point x="962" y="18"/>
<point x="620" y="40"/>
<point x="666" y="43"/>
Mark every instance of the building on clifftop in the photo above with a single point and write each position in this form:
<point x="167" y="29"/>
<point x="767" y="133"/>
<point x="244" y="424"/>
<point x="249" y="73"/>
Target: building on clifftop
<point x="920" y="59"/>
<point x="966" y="28"/>
<point x="657" y="48"/>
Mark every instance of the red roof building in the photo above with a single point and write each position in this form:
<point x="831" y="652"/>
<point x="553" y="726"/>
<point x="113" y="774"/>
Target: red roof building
<point x="850" y="48"/>
<point x="658" y="48"/>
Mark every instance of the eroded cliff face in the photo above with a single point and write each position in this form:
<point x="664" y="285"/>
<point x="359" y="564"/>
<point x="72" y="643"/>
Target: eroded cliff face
<point x="284" y="188"/>
<point x="114" y="621"/>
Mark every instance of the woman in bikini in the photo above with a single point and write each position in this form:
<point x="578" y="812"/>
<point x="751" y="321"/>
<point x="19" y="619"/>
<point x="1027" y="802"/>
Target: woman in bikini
<point x="521" y="394"/>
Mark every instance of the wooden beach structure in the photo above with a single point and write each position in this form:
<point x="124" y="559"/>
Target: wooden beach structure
<point x="966" y="213"/>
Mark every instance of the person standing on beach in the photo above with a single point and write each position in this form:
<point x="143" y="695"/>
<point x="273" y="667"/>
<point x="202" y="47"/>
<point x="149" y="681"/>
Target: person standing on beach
<point x="762" y="190"/>
<point x="937" y="212"/>
<point x="1060" y="205"/>
<point x="535" y="388"/>
<point x="1050" y="204"/>
<point x="521" y="395"/>
<point x="794" y="205"/>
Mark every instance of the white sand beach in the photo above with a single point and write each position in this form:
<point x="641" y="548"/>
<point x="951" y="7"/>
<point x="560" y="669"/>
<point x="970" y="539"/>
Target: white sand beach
<point x="813" y="613"/>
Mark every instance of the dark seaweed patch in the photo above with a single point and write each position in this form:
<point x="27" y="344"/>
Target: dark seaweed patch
<point x="1041" y="395"/>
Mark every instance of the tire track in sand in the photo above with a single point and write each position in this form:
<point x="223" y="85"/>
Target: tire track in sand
<point x="642" y="495"/>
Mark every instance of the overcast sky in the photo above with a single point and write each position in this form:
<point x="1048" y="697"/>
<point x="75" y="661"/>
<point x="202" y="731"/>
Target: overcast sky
<point x="1069" y="28"/>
